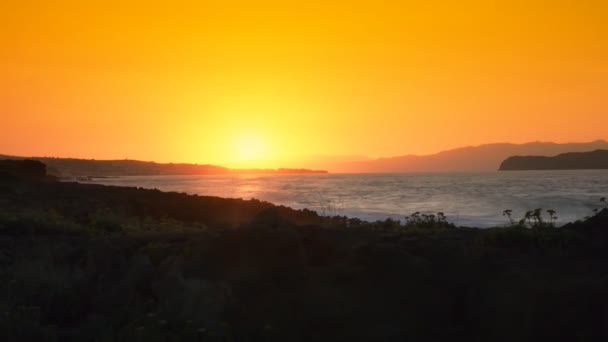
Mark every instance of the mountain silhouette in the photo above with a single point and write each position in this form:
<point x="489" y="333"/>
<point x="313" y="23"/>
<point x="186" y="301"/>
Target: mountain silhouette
<point x="597" y="159"/>
<point x="480" y="158"/>
<point x="71" y="167"/>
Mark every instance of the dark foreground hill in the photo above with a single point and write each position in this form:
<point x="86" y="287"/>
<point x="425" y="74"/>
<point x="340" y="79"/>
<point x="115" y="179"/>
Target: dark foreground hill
<point x="85" y="262"/>
<point x="597" y="159"/>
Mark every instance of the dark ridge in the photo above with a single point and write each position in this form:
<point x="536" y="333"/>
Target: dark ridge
<point x="82" y="201"/>
<point x="485" y="157"/>
<point x="597" y="159"/>
<point x="71" y="167"/>
<point x="26" y="169"/>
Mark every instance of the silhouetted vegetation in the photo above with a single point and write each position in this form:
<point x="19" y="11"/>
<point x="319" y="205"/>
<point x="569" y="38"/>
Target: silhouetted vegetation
<point x="85" y="262"/>
<point x="533" y="218"/>
<point x="418" y="220"/>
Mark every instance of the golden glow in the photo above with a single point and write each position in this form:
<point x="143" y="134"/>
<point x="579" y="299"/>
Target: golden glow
<point x="186" y="81"/>
<point x="249" y="148"/>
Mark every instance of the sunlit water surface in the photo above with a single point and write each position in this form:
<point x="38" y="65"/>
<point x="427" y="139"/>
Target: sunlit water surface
<point x="472" y="199"/>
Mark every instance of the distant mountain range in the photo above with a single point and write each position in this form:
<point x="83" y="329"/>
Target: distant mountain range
<point x="597" y="159"/>
<point x="70" y="167"/>
<point x="480" y="158"/>
<point x="466" y="159"/>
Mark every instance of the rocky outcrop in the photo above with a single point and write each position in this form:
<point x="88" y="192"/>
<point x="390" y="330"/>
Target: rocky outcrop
<point x="25" y="169"/>
<point x="597" y="159"/>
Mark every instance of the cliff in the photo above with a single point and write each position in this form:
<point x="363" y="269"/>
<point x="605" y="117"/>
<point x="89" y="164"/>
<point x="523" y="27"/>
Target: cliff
<point x="597" y="159"/>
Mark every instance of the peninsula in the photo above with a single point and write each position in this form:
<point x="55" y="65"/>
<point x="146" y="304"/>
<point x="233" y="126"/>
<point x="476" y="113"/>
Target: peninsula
<point x="593" y="160"/>
<point x="72" y="167"/>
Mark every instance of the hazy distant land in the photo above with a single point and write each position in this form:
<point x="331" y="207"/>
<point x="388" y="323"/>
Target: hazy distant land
<point x="597" y="159"/>
<point x="482" y="158"/>
<point x="71" y="167"/>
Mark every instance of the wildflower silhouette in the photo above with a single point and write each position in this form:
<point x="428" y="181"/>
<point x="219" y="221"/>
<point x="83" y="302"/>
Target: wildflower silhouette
<point x="508" y="213"/>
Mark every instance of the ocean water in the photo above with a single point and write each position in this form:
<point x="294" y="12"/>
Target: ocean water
<point x="468" y="199"/>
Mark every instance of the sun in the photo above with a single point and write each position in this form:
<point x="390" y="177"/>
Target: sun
<point x="250" y="148"/>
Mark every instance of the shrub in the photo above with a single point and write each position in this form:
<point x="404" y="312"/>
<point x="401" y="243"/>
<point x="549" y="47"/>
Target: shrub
<point x="427" y="220"/>
<point x="532" y="218"/>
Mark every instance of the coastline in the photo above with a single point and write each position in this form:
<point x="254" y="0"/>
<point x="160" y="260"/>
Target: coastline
<point x="86" y="260"/>
<point x="468" y="199"/>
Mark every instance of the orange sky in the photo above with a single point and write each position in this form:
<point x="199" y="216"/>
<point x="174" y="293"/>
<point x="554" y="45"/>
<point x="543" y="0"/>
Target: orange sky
<point x="261" y="83"/>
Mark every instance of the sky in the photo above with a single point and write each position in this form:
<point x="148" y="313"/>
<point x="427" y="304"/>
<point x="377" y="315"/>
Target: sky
<point x="269" y="83"/>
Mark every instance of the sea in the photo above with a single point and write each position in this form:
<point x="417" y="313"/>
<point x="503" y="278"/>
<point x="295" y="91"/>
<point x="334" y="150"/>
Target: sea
<point x="467" y="199"/>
